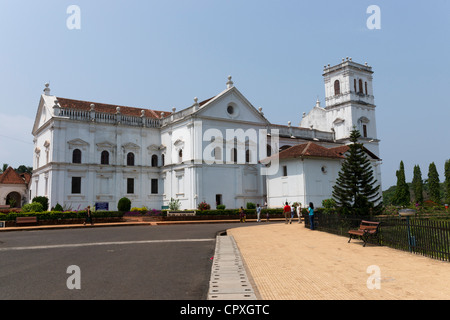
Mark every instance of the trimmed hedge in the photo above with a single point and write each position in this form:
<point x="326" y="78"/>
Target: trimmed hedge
<point x="55" y="215"/>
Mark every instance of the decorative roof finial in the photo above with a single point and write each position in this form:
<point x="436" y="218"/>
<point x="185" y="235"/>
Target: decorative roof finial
<point x="229" y="82"/>
<point x="47" y="89"/>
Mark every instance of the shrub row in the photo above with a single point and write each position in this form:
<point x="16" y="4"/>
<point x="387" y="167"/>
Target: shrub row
<point x="54" y="215"/>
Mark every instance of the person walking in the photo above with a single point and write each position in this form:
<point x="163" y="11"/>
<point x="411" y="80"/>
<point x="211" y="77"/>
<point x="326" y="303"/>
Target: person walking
<point x="292" y="213"/>
<point x="287" y="212"/>
<point x="242" y="214"/>
<point x="258" y="213"/>
<point x="311" y="215"/>
<point x="88" y="216"/>
<point x="299" y="212"/>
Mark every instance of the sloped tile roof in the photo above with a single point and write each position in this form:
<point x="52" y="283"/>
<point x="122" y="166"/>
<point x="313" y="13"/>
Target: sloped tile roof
<point x="10" y="176"/>
<point x="109" y="108"/>
<point x="311" y="149"/>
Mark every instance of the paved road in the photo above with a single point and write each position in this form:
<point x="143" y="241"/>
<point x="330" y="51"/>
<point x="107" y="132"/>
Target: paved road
<point x="142" y="262"/>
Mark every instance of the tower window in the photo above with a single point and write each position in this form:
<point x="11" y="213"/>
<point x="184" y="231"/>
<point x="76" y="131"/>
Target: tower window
<point x="365" y="85"/>
<point x="360" y="86"/>
<point x="337" y="88"/>
<point x="354" y="84"/>
<point x="364" y="131"/>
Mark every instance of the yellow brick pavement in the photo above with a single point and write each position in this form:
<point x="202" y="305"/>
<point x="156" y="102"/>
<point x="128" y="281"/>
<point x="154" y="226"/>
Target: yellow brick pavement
<point x="289" y="261"/>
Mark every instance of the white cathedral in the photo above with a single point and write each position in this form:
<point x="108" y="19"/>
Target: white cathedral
<point x="216" y="150"/>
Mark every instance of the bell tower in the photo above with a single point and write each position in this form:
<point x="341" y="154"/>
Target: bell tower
<point x="349" y="101"/>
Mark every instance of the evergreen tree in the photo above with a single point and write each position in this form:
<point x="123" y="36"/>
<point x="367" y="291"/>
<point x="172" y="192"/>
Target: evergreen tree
<point x="356" y="190"/>
<point x="417" y="185"/>
<point x="402" y="195"/>
<point x="433" y="184"/>
<point x="447" y="181"/>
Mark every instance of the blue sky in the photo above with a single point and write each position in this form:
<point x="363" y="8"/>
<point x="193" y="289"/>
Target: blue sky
<point x="162" y="54"/>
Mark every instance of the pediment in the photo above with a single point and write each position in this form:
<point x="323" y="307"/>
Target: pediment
<point x="105" y="146"/>
<point x="179" y="143"/>
<point x="153" y="147"/>
<point x="44" y="112"/>
<point x="338" y="121"/>
<point x="231" y="105"/>
<point x="131" y="146"/>
<point x="77" y="143"/>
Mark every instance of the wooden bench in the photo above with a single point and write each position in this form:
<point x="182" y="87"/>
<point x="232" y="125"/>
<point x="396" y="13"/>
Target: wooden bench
<point x="366" y="231"/>
<point x="26" y="220"/>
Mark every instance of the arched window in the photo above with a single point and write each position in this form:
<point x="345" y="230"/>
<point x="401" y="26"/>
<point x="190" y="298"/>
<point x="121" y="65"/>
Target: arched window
<point x="354" y="85"/>
<point x="365" y="85"/>
<point x="154" y="160"/>
<point x="104" y="158"/>
<point x="130" y="159"/>
<point x="360" y="86"/>
<point x="337" y="88"/>
<point x="180" y="155"/>
<point x="162" y="159"/>
<point x="76" y="156"/>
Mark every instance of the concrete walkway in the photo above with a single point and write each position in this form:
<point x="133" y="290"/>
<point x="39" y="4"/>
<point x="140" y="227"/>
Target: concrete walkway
<point x="289" y="261"/>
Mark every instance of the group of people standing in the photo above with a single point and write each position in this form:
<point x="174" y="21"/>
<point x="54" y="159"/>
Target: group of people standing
<point x="289" y="213"/>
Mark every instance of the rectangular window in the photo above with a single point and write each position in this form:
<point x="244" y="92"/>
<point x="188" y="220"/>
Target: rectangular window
<point x="284" y="171"/>
<point x="130" y="185"/>
<point x="76" y="185"/>
<point x="154" y="186"/>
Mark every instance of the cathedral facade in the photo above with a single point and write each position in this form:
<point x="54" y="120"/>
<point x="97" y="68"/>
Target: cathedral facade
<point x="221" y="150"/>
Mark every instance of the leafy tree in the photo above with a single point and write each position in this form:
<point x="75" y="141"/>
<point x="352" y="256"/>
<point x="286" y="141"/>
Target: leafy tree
<point x="22" y="169"/>
<point x="433" y="184"/>
<point x="447" y="181"/>
<point x="402" y="195"/>
<point x="356" y="190"/>
<point x="417" y="185"/>
<point x="4" y="167"/>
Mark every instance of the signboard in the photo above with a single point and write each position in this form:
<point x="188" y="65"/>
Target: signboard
<point x="101" y="206"/>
